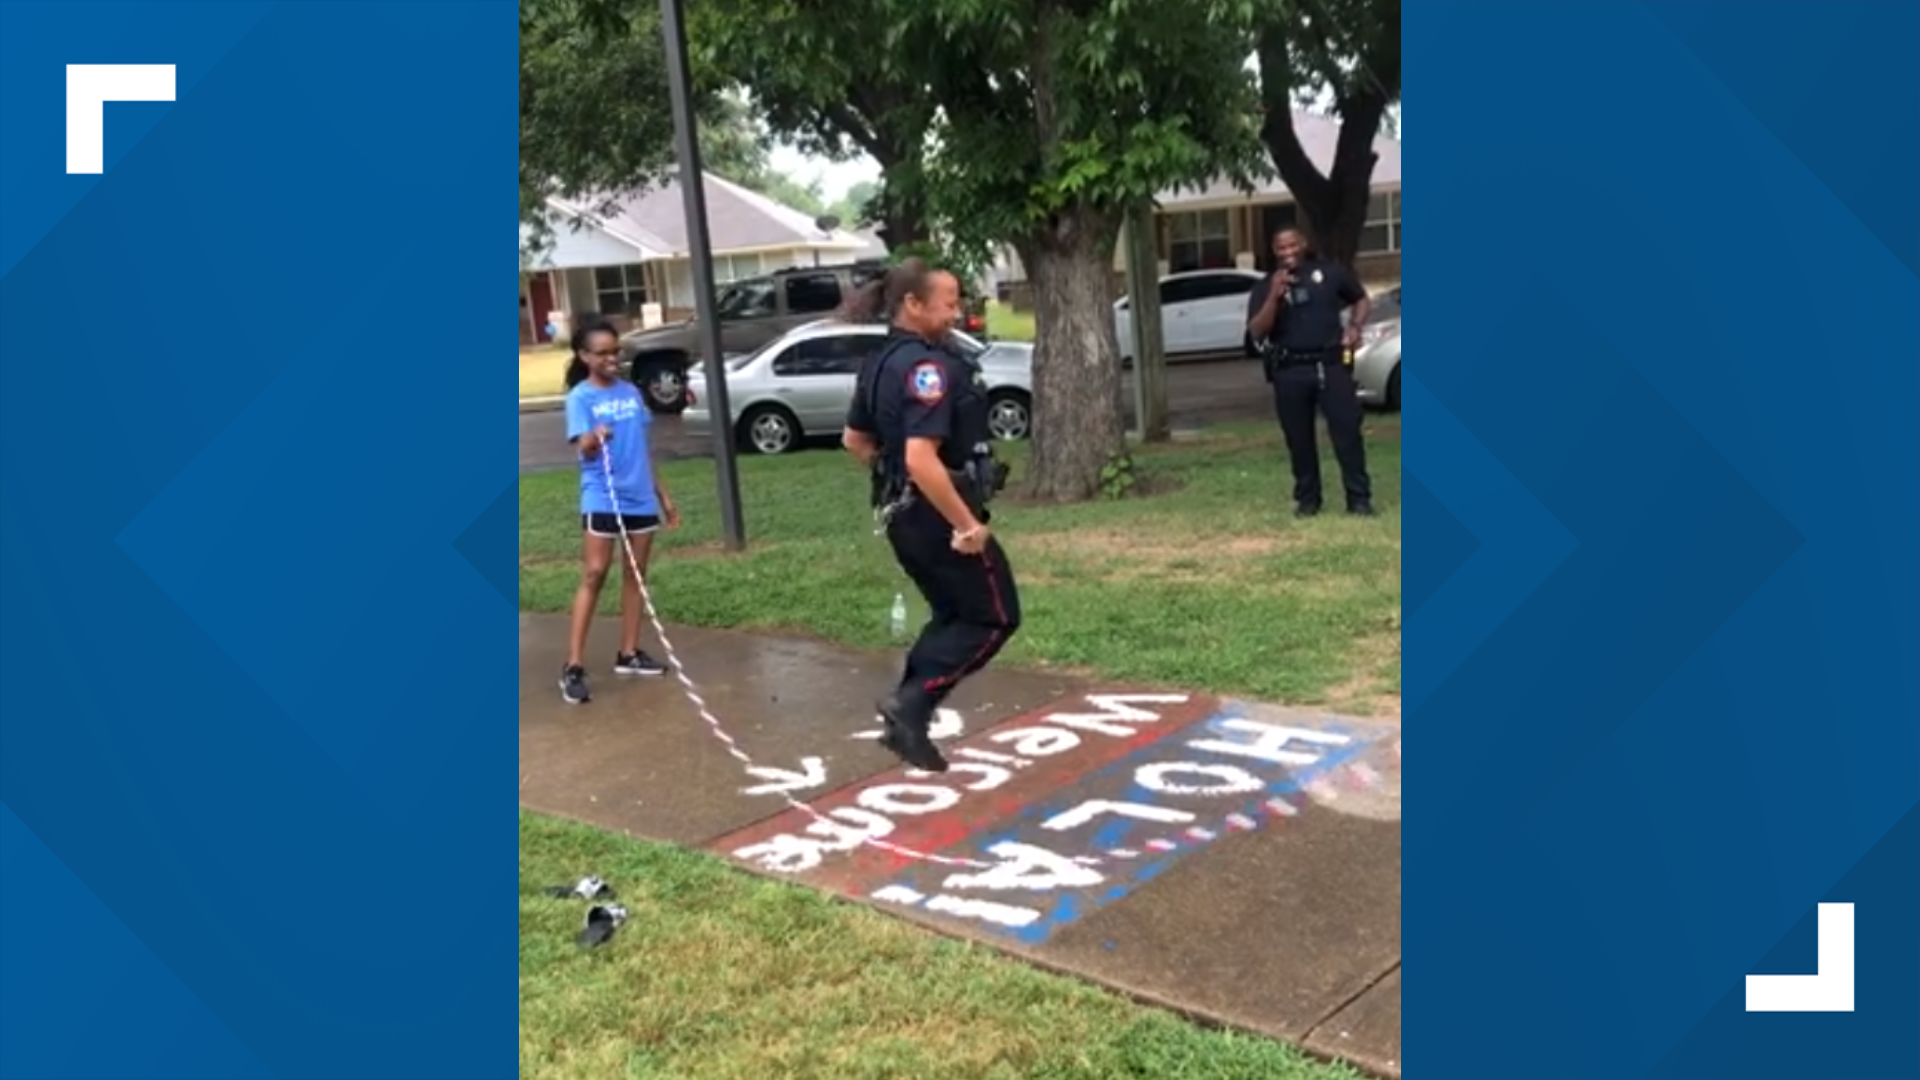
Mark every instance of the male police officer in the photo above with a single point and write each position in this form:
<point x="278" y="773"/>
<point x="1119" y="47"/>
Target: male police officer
<point x="1294" y="315"/>
<point x="919" y="414"/>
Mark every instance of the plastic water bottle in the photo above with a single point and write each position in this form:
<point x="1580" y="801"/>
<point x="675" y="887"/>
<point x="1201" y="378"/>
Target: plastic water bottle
<point x="899" y="616"/>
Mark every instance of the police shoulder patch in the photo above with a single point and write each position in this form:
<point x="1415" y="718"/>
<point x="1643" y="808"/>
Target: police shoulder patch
<point x="927" y="381"/>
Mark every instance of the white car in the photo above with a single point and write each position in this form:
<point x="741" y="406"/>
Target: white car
<point x="1201" y="311"/>
<point x="799" y="386"/>
<point x="1376" y="366"/>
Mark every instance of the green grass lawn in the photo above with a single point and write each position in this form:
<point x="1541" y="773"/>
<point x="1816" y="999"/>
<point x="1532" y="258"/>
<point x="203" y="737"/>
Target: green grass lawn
<point x="543" y="372"/>
<point x="719" y="975"/>
<point x="1211" y="584"/>
<point x="1006" y="324"/>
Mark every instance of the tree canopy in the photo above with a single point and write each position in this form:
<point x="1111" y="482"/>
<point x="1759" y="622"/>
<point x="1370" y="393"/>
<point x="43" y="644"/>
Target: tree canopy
<point x="1035" y="123"/>
<point x="592" y="88"/>
<point x="1053" y="119"/>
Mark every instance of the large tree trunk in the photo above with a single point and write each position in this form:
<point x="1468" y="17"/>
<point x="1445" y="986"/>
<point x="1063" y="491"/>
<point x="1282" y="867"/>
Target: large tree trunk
<point x="897" y="229"/>
<point x="1076" y="370"/>
<point x="1333" y="207"/>
<point x="1337" y="217"/>
<point x="899" y="218"/>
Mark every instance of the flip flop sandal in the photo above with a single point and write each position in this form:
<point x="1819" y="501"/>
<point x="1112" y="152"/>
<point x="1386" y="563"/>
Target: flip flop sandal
<point x="602" y="921"/>
<point x="587" y="888"/>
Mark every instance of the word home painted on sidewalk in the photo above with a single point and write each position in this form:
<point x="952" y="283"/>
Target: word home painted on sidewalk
<point x="1133" y="820"/>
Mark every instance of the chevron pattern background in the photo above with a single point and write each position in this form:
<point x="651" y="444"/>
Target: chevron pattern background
<point x="1662" y="589"/>
<point x="256" y="739"/>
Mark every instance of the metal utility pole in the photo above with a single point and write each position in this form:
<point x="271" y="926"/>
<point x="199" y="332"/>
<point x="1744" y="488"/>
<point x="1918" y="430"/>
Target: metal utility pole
<point x="1149" y="347"/>
<point x="686" y="144"/>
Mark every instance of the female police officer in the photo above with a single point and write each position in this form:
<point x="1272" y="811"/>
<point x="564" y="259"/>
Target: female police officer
<point x="1294" y="314"/>
<point x="919" y="418"/>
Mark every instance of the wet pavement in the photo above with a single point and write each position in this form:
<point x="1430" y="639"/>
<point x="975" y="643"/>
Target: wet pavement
<point x="1233" y="860"/>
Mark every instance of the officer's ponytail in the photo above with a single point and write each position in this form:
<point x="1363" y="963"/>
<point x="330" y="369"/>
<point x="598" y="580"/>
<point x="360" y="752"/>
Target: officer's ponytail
<point x="879" y="300"/>
<point x="867" y="303"/>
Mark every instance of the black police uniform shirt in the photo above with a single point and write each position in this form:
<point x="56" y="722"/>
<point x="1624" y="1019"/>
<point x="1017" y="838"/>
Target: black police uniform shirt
<point x="1309" y="321"/>
<point x="914" y="389"/>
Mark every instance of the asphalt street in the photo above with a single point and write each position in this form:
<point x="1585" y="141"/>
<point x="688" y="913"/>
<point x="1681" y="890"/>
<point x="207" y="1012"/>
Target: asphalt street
<point x="1198" y="393"/>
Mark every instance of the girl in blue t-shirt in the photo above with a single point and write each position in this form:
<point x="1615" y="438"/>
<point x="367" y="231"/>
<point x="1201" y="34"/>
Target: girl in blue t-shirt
<point x="608" y="425"/>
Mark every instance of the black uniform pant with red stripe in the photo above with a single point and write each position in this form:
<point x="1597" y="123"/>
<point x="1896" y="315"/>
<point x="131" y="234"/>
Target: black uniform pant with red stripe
<point x="974" y="602"/>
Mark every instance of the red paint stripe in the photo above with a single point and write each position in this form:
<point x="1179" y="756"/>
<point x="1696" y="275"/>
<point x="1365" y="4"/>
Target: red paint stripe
<point x="993" y="638"/>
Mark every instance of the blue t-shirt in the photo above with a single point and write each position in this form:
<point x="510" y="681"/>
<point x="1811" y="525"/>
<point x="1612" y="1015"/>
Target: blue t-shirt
<point x="619" y="409"/>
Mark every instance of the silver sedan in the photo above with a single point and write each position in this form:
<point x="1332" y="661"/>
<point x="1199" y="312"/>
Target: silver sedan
<point x="799" y="386"/>
<point x="1376" y="366"/>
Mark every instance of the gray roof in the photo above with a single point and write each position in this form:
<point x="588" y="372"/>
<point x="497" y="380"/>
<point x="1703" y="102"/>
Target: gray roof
<point x="737" y="220"/>
<point x="1317" y="137"/>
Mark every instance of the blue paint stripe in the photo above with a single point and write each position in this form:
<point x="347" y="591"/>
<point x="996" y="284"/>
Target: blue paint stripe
<point x="1068" y="906"/>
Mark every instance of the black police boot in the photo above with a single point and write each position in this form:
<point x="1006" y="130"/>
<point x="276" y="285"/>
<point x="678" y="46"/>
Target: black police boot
<point x="1361" y="508"/>
<point x="1306" y="510"/>
<point x="906" y="733"/>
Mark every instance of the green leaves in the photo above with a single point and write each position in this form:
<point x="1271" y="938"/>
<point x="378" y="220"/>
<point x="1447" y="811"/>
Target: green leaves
<point x="593" y="93"/>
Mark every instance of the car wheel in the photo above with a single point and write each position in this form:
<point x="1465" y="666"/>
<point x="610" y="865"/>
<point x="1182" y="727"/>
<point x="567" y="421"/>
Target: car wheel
<point x="1009" y="415"/>
<point x="1393" y="390"/>
<point x="663" y="384"/>
<point x="769" y="429"/>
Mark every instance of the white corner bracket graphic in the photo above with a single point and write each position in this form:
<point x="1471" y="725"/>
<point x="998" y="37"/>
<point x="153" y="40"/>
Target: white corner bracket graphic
<point x="89" y="88"/>
<point x="1829" y="991"/>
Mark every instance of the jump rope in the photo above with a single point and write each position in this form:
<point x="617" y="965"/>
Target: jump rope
<point x="1235" y="821"/>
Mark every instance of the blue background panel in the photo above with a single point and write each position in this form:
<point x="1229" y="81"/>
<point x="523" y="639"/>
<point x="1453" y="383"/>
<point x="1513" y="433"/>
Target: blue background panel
<point x="1661" y="703"/>
<point x="256" y="689"/>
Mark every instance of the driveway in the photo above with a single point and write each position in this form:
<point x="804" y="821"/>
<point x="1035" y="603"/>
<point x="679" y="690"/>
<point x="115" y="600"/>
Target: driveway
<point x="1198" y="393"/>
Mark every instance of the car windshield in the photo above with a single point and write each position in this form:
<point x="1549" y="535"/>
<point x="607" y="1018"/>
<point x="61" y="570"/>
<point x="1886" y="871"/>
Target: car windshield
<point x="966" y="346"/>
<point x="736" y="363"/>
<point x="1385" y="306"/>
<point x="745" y="300"/>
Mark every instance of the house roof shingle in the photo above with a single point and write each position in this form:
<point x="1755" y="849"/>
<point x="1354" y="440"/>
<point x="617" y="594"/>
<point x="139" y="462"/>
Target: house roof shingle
<point x="737" y="220"/>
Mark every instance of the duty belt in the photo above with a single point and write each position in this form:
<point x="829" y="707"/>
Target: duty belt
<point x="974" y="490"/>
<point x="1292" y="357"/>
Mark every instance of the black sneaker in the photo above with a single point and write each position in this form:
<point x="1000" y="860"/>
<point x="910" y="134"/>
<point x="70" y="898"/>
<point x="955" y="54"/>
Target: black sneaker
<point x="637" y="663"/>
<point x="573" y="684"/>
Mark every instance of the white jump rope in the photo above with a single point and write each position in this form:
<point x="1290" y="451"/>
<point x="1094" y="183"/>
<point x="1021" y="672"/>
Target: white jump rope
<point x="713" y="723"/>
<point x="1233" y="821"/>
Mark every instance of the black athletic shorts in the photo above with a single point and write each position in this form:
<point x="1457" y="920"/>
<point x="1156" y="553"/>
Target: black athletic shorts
<point x="610" y="525"/>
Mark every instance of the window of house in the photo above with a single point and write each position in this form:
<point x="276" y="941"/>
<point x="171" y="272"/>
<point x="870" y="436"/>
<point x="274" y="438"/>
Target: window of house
<point x="1382" y="233"/>
<point x="1198" y="240"/>
<point x="620" y="290"/>
<point x="728" y="268"/>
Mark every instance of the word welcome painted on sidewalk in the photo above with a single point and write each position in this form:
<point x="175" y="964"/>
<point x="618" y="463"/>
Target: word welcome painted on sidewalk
<point x="877" y="811"/>
<point x="1069" y="809"/>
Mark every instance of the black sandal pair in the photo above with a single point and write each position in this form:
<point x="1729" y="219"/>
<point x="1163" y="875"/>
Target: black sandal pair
<point x="602" y="919"/>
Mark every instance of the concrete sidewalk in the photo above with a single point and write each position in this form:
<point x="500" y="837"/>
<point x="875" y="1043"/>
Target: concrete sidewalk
<point x="1234" y="861"/>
